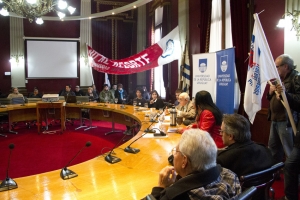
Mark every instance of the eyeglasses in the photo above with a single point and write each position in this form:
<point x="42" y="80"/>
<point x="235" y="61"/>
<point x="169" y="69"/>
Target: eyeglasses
<point x="174" y="150"/>
<point x="221" y="131"/>
<point x="279" y="65"/>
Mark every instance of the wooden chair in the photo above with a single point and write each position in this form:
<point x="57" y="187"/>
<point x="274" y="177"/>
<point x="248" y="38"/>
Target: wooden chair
<point x="263" y="181"/>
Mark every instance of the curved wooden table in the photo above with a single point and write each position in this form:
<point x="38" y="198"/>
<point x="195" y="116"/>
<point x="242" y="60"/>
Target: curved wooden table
<point x="131" y="178"/>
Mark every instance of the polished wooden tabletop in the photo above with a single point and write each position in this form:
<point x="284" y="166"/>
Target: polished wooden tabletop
<point x="131" y="178"/>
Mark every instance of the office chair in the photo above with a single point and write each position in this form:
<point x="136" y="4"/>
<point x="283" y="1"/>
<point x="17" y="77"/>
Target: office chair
<point x="84" y="111"/>
<point x="263" y="181"/>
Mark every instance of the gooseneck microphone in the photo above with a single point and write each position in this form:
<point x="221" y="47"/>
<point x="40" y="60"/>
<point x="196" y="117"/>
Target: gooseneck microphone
<point x="66" y="173"/>
<point x="113" y="159"/>
<point x="8" y="183"/>
<point x="147" y="130"/>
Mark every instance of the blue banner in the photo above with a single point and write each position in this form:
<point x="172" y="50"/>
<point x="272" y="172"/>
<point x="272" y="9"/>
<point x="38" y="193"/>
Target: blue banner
<point x="225" y="80"/>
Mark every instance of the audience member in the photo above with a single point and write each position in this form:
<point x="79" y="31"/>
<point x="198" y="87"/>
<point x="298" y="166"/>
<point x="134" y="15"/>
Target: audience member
<point x="177" y="93"/>
<point x="15" y="93"/>
<point x="93" y="96"/>
<point x="292" y="163"/>
<point x="242" y="156"/>
<point x="186" y="109"/>
<point x="156" y="101"/>
<point x="78" y="91"/>
<point x="281" y="136"/>
<point x="139" y="97"/>
<point x="105" y="95"/>
<point x="195" y="174"/>
<point x="95" y="89"/>
<point x="209" y="117"/>
<point x="113" y="89"/>
<point x="145" y="93"/>
<point x="67" y="91"/>
<point x="121" y="94"/>
<point x="35" y="93"/>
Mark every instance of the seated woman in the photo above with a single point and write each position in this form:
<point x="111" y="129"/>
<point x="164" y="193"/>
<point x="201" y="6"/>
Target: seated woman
<point x="209" y="117"/>
<point x="140" y="101"/>
<point x="93" y="96"/>
<point x="155" y="100"/>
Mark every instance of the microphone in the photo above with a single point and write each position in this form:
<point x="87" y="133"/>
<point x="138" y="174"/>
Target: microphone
<point x="66" y="173"/>
<point x="151" y="130"/>
<point x="161" y="133"/>
<point x="8" y="183"/>
<point x="113" y="159"/>
<point x="67" y="98"/>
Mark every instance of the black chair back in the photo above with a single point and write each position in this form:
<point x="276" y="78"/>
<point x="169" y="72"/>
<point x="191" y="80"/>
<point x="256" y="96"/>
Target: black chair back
<point x="262" y="180"/>
<point x="247" y="194"/>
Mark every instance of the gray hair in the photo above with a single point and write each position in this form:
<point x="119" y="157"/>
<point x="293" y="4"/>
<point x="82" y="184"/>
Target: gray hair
<point x="287" y="59"/>
<point x="238" y="126"/>
<point x="200" y="149"/>
<point x="185" y="96"/>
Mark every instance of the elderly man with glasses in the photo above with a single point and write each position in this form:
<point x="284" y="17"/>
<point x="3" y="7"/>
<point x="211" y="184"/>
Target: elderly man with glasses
<point x="281" y="136"/>
<point x="242" y="156"/>
<point x="195" y="174"/>
<point x="186" y="109"/>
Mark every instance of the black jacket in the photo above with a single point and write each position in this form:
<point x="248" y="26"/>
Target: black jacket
<point x="245" y="158"/>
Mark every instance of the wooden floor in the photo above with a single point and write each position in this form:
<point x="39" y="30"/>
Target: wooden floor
<point x="132" y="178"/>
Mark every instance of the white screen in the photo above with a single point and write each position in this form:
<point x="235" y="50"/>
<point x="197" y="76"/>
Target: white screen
<point x="51" y="59"/>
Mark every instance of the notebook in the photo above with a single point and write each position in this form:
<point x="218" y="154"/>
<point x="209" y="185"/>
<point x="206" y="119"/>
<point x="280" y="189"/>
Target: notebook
<point x="70" y="99"/>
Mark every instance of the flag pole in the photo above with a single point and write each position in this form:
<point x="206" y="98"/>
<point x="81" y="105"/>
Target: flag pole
<point x="89" y="66"/>
<point x="182" y="66"/>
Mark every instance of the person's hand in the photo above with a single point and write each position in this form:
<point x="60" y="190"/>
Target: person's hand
<point x="272" y="89"/>
<point x="279" y="89"/>
<point x="151" y="101"/>
<point x="167" y="177"/>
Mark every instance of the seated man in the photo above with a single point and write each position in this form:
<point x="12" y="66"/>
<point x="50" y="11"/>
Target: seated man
<point x="177" y="93"/>
<point x="15" y="93"/>
<point x="121" y="94"/>
<point x="186" y="109"/>
<point x="67" y="91"/>
<point x="195" y="174"/>
<point x="242" y="156"/>
<point x="113" y="89"/>
<point x="78" y="91"/>
<point x="106" y="95"/>
<point x="35" y="93"/>
<point x="93" y="96"/>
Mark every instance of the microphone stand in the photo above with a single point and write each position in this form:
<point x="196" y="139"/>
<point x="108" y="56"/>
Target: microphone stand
<point x="68" y="174"/>
<point x="129" y="149"/>
<point x="113" y="159"/>
<point x="8" y="183"/>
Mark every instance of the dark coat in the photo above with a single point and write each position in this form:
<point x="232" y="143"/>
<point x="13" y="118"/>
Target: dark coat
<point x="245" y="158"/>
<point x="158" y="104"/>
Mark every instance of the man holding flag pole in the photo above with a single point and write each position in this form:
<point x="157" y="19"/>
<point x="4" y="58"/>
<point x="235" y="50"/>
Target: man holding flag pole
<point x="261" y="69"/>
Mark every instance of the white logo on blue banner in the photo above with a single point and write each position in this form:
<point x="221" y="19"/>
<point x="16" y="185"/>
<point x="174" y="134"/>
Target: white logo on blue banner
<point x="202" y="65"/>
<point x="225" y="80"/>
<point x="224" y="61"/>
<point x="204" y="73"/>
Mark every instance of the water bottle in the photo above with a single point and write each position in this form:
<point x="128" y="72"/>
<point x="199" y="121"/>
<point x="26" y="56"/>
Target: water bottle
<point x="173" y="116"/>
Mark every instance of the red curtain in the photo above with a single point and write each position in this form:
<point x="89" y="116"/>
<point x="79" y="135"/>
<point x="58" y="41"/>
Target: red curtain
<point x="241" y="40"/>
<point x="204" y="25"/>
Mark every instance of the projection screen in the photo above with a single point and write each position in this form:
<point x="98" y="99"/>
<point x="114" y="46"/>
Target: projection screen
<point x="51" y="59"/>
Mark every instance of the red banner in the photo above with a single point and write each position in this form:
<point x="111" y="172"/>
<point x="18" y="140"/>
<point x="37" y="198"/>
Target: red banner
<point x="163" y="52"/>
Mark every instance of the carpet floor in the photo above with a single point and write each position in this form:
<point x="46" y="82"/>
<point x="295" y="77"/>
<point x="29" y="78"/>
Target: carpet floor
<point x="34" y="154"/>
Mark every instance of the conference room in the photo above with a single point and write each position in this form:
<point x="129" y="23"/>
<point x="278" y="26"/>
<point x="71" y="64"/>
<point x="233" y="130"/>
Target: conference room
<point x="115" y="41"/>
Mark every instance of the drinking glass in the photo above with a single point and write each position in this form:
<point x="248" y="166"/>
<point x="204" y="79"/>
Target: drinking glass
<point x="134" y="103"/>
<point x="116" y="100"/>
<point x="146" y="105"/>
<point x="179" y="120"/>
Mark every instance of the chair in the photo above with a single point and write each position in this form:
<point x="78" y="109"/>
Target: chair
<point x="246" y="194"/>
<point x="84" y="111"/>
<point x="262" y="180"/>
